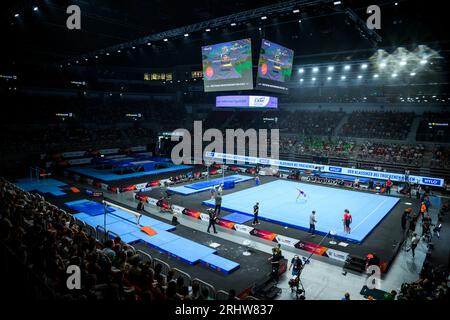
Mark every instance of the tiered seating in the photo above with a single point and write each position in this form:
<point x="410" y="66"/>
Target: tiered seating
<point x="380" y="125"/>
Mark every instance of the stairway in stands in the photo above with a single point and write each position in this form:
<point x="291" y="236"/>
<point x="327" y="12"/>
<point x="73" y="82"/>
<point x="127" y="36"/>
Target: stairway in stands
<point x="337" y="131"/>
<point x="413" y="130"/>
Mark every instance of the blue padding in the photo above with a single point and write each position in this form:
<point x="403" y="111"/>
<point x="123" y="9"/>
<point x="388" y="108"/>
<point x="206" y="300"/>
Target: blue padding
<point x="144" y="221"/>
<point x="213" y="182"/>
<point x="129" y="238"/>
<point x="237" y="218"/>
<point x="90" y="207"/>
<point x="188" y="190"/>
<point x="82" y="216"/>
<point x="99" y="220"/>
<point x="109" y="175"/>
<point x="157" y="240"/>
<point x="219" y="263"/>
<point x="50" y="186"/>
<point x="121" y="228"/>
<point x="187" y="250"/>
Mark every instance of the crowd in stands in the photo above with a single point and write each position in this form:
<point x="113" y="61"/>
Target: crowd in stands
<point x="308" y="123"/>
<point x="392" y="153"/>
<point x="431" y="285"/>
<point x="315" y="146"/>
<point x="46" y="240"/>
<point x="441" y="158"/>
<point x="379" y="125"/>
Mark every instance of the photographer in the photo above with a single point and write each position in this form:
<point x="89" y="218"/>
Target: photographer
<point x="296" y="266"/>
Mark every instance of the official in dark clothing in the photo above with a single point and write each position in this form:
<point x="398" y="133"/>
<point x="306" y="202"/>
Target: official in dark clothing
<point x="275" y="260"/>
<point x="140" y="206"/>
<point x="255" y="214"/>
<point x="405" y="219"/>
<point x="218" y="202"/>
<point x="212" y="220"/>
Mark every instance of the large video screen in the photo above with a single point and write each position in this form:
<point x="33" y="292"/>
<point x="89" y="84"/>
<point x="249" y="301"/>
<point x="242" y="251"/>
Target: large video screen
<point x="228" y="66"/>
<point x="274" y="67"/>
<point x="246" y="102"/>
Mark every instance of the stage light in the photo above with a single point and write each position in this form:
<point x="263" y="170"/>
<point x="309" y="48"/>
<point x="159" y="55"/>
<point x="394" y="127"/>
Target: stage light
<point x="16" y="15"/>
<point x="107" y="53"/>
<point x="347" y="67"/>
<point x="403" y="63"/>
<point x="375" y="76"/>
<point x="329" y="78"/>
<point x="186" y="34"/>
<point x="208" y="30"/>
<point x="77" y="61"/>
<point x="336" y="3"/>
<point x="315" y="69"/>
<point x="412" y="74"/>
<point x="343" y="77"/>
<point x="263" y="18"/>
<point x="423" y="61"/>
<point x="364" y="66"/>
<point x="300" y="21"/>
<point x="96" y="57"/>
<point x="301" y="70"/>
<point x="133" y="47"/>
<point x="382" y="65"/>
<point x="259" y="28"/>
<point x="119" y="51"/>
<point x="330" y="68"/>
<point x="396" y="3"/>
<point x="313" y="79"/>
<point x="394" y="75"/>
<point x="360" y="77"/>
<point x="165" y="39"/>
<point x="35" y="9"/>
<point x="149" y="43"/>
<point x="232" y="24"/>
<point x="301" y="80"/>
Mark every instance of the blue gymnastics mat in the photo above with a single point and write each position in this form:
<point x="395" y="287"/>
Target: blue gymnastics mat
<point x="206" y="185"/>
<point x="237" y="218"/>
<point x="187" y="250"/>
<point x="278" y="203"/>
<point x="50" y="186"/>
<point x="218" y="263"/>
<point x="90" y="207"/>
<point x="109" y="175"/>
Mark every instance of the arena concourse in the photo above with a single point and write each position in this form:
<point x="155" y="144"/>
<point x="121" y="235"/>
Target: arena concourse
<point x="119" y="180"/>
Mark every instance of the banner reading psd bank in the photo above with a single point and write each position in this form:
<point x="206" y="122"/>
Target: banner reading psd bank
<point x="428" y="181"/>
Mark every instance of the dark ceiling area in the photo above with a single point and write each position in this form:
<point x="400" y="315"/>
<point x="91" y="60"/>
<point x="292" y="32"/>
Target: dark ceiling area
<point x="41" y="36"/>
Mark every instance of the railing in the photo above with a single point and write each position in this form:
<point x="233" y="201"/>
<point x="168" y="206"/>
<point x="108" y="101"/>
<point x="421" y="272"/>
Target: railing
<point x="187" y="278"/>
<point x="165" y="266"/>
<point x="222" y="295"/>
<point x="145" y="257"/>
<point x="211" y="289"/>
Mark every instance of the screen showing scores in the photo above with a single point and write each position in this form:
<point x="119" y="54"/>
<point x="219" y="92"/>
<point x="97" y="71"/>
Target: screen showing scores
<point x="274" y="67"/>
<point x="228" y="66"/>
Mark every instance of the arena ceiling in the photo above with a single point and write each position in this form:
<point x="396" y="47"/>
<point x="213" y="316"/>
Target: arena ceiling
<point x="41" y="36"/>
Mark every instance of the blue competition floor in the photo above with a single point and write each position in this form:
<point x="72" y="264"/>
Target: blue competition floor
<point x="43" y="186"/>
<point x="277" y="203"/>
<point x="108" y="175"/>
<point x="205" y="185"/>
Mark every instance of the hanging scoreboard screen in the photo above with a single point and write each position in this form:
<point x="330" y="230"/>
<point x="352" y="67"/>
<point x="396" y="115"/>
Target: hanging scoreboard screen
<point x="228" y="66"/>
<point x="274" y="67"/>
